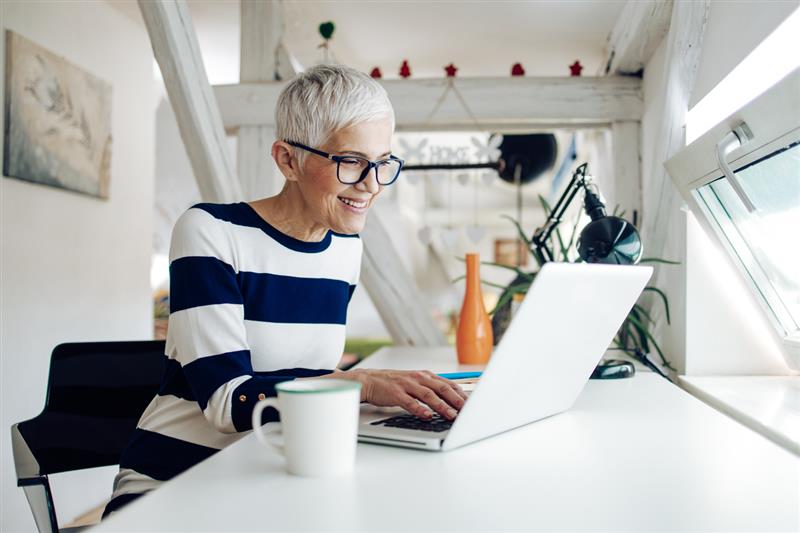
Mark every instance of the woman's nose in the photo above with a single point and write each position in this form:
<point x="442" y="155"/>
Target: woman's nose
<point x="370" y="182"/>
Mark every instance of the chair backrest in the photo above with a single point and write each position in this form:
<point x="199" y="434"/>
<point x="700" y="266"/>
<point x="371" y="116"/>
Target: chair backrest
<point x="96" y="393"/>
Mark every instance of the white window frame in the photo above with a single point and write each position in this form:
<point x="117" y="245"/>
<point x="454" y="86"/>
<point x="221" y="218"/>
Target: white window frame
<point x="774" y="120"/>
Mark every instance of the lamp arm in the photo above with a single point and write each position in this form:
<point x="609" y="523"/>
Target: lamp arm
<point x="494" y="165"/>
<point x="542" y="235"/>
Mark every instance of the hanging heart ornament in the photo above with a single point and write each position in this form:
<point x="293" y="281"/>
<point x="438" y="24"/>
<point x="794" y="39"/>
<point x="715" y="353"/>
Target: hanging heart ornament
<point x="449" y="237"/>
<point x="475" y="233"/>
<point x="437" y="178"/>
<point x="425" y="235"/>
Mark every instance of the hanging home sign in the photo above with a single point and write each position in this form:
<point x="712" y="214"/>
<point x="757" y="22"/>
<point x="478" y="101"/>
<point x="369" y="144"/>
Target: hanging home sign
<point x="57" y="121"/>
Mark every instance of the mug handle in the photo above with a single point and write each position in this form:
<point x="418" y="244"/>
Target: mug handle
<point x="258" y="428"/>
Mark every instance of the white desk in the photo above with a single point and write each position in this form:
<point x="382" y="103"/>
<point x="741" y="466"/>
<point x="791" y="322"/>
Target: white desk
<point x="637" y="454"/>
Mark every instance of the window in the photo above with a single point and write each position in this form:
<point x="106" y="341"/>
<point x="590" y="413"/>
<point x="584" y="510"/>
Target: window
<point x="763" y="242"/>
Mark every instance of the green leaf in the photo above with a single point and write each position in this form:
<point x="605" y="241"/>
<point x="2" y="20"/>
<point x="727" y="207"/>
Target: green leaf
<point x="663" y="299"/>
<point x="658" y="260"/>
<point x="326" y="29"/>
<point x="621" y="340"/>
<point x="640" y="327"/>
<point x="564" y="249"/>
<point x="641" y="334"/>
<point x="574" y="231"/>
<point x="511" y="290"/>
<point x="520" y="231"/>
<point x="545" y="205"/>
<point x="641" y="310"/>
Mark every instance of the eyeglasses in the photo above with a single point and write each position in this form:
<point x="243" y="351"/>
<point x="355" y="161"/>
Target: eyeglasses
<point x="352" y="169"/>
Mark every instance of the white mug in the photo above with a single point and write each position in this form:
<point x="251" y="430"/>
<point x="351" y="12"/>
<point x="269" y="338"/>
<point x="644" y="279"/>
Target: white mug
<point x="319" y="419"/>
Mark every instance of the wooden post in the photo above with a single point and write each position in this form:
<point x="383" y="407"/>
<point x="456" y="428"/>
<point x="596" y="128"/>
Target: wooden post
<point x="175" y="47"/>
<point x="639" y="30"/>
<point x="683" y="58"/>
<point x="664" y="223"/>
<point x="261" y="27"/>
<point x="627" y="164"/>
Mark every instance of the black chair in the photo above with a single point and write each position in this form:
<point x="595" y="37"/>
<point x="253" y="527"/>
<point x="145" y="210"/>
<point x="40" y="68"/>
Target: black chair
<point x="96" y="393"/>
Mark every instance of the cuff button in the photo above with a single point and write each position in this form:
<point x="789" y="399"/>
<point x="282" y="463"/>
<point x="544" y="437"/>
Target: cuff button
<point x="242" y="398"/>
<point x="262" y="396"/>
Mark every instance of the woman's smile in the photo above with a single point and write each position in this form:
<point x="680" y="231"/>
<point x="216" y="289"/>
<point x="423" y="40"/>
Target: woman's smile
<point x="354" y="205"/>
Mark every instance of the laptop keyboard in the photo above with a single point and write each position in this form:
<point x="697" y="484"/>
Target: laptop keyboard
<point x="436" y="423"/>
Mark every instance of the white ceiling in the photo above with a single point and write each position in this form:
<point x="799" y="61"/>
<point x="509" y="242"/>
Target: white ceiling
<point x="482" y="38"/>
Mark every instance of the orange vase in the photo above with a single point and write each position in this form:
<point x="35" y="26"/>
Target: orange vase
<point x="474" y="337"/>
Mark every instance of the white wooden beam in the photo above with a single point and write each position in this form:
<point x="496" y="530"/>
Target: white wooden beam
<point x="683" y="59"/>
<point x="536" y="101"/>
<point x="261" y="27"/>
<point x="178" y="54"/>
<point x="393" y="291"/>
<point x="640" y="28"/>
<point x="664" y="223"/>
<point x="627" y="164"/>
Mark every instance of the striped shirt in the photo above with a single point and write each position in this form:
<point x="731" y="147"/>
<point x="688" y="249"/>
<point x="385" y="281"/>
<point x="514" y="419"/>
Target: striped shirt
<point x="249" y="307"/>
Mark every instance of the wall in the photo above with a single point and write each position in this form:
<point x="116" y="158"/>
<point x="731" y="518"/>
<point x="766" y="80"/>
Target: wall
<point x="727" y="333"/>
<point x="750" y="22"/>
<point x="74" y="267"/>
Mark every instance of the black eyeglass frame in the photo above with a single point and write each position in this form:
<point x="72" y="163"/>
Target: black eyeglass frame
<point x="339" y="158"/>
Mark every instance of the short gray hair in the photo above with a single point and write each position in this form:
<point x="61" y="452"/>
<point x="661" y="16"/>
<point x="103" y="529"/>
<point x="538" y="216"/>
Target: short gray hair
<point x="324" y="99"/>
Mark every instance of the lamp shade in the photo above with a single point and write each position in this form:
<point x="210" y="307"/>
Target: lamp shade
<point x="610" y="239"/>
<point x="534" y="153"/>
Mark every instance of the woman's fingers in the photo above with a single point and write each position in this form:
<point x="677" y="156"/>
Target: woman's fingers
<point x="449" y="392"/>
<point x="430" y="398"/>
<point x="421" y="393"/>
<point x="411" y="405"/>
<point x="447" y="385"/>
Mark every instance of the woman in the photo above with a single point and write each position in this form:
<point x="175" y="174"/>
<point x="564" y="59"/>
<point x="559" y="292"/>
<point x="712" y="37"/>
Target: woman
<point x="259" y="291"/>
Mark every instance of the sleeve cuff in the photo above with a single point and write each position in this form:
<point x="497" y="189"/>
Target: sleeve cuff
<point x="246" y="395"/>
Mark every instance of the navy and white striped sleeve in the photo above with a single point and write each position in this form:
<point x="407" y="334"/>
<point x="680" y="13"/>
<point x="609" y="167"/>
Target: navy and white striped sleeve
<point x="207" y="334"/>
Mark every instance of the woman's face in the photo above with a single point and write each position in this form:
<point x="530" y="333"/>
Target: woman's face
<point x="343" y="208"/>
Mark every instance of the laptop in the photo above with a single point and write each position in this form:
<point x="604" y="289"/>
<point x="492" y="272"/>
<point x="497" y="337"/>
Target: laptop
<point x="559" y="333"/>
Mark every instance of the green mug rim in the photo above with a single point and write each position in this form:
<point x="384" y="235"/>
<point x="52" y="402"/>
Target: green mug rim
<point x="343" y="385"/>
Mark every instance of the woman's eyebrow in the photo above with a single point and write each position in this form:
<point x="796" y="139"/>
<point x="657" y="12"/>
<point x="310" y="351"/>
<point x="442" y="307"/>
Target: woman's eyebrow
<point x="362" y="154"/>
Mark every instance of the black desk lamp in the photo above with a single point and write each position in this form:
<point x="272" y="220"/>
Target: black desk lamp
<point x="606" y="239"/>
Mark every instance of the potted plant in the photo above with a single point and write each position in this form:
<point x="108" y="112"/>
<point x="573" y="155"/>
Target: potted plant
<point x="634" y="336"/>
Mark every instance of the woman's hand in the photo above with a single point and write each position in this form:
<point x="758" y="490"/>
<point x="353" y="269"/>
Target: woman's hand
<point x="411" y="390"/>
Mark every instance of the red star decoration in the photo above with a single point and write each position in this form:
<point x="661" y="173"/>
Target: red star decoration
<point x="517" y="70"/>
<point x="451" y="70"/>
<point x="575" y="68"/>
<point x="405" y="70"/>
<point x="376" y="73"/>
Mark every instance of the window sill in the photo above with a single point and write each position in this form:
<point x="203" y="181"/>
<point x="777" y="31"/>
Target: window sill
<point x="769" y="405"/>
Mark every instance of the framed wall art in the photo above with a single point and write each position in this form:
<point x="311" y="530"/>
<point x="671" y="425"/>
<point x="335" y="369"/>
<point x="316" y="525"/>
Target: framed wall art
<point x="57" y="120"/>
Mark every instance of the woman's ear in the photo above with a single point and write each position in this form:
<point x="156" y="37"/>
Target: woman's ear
<point x="283" y="154"/>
